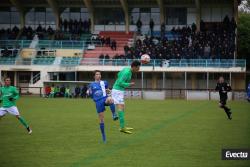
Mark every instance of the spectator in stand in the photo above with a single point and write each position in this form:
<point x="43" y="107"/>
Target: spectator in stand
<point x="113" y="45"/>
<point x="75" y="27"/>
<point x="47" y="91"/>
<point x="77" y="91"/>
<point x="207" y="51"/>
<point x="81" y="28"/>
<point x="72" y="92"/>
<point x="151" y="25"/>
<point x="71" y="26"/>
<point x="126" y="49"/>
<point x="83" y="91"/>
<point x="102" y="40"/>
<point x="62" y="91"/>
<point x="107" y="56"/>
<point x="107" y="41"/>
<point x="88" y="25"/>
<point x="202" y="26"/>
<point x="85" y="26"/>
<point x="60" y="24"/>
<point x="57" y="91"/>
<point x="101" y="56"/>
<point x="139" y="25"/>
<point x="67" y="92"/>
<point x="52" y="92"/>
<point x="65" y="25"/>
<point x="163" y="28"/>
<point x="50" y="31"/>
<point x="194" y="28"/>
<point x="39" y="29"/>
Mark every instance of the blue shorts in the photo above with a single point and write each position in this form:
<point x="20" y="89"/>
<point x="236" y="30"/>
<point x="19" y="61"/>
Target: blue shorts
<point x="100" y="105"/>
<point x="248" y="94"/>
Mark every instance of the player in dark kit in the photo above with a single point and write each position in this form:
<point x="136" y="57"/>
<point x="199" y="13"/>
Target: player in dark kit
<point x="223" y="88"/>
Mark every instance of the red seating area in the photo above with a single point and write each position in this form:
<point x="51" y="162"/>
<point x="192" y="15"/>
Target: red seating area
<point x="121" y="39"/>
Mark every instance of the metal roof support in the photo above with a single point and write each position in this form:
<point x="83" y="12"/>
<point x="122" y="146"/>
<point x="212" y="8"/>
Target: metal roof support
<point x="235" y="10"/>
<point x="55" y="9"/>
<point x="124" y="4"/>
<point x="198" y="14"/>
<point x="162" y="10"/>
<point x="21" y="11"/>
<point x="90" y="8"/>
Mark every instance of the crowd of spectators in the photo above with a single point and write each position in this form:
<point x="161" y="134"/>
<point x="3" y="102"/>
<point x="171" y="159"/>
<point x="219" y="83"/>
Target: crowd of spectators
<point x="75" y="26"/>
<point x="28" y="33"/>
<point x="65" y="91"/>
<point x="216" y="42"/>
<point x="105" y="41"/>
<point x="9" y="33"/>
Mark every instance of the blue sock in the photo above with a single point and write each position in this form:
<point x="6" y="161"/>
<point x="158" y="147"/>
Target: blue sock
<point x="103" y="132"/>
<point x="112" y="108"/>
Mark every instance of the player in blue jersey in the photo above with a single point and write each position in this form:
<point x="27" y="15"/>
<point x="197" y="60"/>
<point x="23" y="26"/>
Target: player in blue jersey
<point x="98" y="91"/>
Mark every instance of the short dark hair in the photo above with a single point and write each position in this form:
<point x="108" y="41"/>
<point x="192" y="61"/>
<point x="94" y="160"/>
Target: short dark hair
<point x="6" y="78"/>
<point x="135" y="63"/>
<point x="96" y="71"/>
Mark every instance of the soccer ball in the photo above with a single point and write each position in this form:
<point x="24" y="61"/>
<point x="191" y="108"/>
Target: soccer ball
<point x="145" y="59"/>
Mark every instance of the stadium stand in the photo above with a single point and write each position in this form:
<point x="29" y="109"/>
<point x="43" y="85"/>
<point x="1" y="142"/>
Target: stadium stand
<point x="47" y="41"/>
<point x="44" y="60"/>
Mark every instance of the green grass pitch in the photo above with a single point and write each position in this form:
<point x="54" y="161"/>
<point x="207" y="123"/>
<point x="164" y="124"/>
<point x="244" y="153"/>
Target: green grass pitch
<point x="170" y="133"/>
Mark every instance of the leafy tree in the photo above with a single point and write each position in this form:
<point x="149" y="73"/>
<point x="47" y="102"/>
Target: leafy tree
<point x="244" y="37"/>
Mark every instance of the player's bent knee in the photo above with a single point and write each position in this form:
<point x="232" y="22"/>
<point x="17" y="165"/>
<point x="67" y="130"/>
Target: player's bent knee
<point x="109" y="100"/>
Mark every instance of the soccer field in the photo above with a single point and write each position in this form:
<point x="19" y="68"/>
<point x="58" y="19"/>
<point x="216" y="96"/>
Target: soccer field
<point x="170" y="133"/>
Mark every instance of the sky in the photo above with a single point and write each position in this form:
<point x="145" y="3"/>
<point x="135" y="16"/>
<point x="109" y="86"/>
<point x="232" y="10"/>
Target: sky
<point x="243" y="7"/>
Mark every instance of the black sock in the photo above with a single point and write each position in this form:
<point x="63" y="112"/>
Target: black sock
<point x="28" y="128"/>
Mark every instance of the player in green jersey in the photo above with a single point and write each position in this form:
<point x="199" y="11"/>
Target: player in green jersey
<point x="8" y="97"/>
<point x="123" y="81"/>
